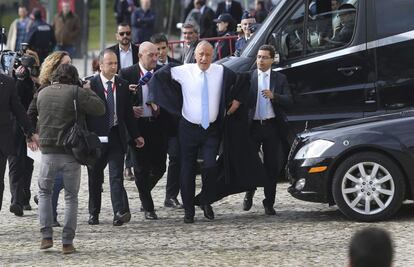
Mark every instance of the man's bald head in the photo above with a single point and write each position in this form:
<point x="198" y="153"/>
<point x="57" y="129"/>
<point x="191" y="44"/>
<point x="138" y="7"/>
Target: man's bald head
<point x="204" y="55"/>
<point x="148" y="55"/>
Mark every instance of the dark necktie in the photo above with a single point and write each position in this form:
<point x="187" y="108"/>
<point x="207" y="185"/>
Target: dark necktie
<point x="110" y="103"/>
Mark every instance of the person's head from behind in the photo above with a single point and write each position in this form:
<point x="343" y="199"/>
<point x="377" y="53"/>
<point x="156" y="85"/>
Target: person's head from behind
<point x="265" y="57"/>
<point x="66" y="74"/>
<point x="145" y="4"/>
<point x="50" y="63"/>
<point x="371" y="247"/>
<point x="108" y="63"/>
<point x="204" y="55"/>
<point x="22" y="11"/>
<point x="190" y="33"/>
<point x="148" y="55"/>
<point x="259" y="5"/>
<point x="65" y="7"/>
<point x="36" y="14"/>
<point x="161" y="42"/>
<point x="346" y="14"/>
<point x="123" y="34"/>
<point x="199" y="3"/>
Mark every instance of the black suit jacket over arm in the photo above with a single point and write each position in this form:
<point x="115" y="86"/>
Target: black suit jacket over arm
<point x="125" y="116"/>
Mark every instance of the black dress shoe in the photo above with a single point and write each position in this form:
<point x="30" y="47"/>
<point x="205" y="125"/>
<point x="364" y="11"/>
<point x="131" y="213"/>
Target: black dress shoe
<point x="269" y="210"/>
<point x="117" y="222"/>
<point x="124" y="217"/>
<point x="172" y="203"/>
<point x="188" y="219"/>
<point x="151" y="215"/>
<point x="16" y="209"/>
<point x="208" y="211"/>
<point x="248" y="200"/>
<point x="93" y="220"/>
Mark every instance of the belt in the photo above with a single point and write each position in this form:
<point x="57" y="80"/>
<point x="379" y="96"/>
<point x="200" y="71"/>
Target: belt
<point x="199" y="125"/>
<point x="265" y="122"/>
<point x="147" y="119"/>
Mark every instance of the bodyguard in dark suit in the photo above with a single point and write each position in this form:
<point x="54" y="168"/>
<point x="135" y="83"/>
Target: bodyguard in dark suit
<point x="149" y="162"/>
<point x="233" y="8"/>
<point x="10" y="105"/>
<point x="125" y="51"/>
<point x="269" y="93"/>
<point x="118" y="117"/>
<point x="173" y="175"/>
<point x="207" y="25"/>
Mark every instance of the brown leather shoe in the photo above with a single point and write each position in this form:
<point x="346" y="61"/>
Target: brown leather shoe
<point x="46" y="243"/>
<point x="68" y="249"/>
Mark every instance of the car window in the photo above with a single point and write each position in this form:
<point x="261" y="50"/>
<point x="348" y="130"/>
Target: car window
<point x="291" y="34"/>
<point x="394" y="17"/>
<point x="330" y="29"/>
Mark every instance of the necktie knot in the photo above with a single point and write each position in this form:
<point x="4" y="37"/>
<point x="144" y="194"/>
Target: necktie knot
<point x="109" y="83"/>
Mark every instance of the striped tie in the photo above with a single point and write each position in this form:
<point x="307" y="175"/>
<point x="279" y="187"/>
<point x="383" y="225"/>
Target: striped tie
<point x="110" y="104"/>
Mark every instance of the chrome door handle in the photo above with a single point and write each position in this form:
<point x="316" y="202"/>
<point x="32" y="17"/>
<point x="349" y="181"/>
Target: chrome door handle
<point x="349" y="71"/>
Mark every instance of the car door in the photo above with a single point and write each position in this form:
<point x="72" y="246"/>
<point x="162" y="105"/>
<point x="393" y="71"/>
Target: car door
<point x="329" y="81"/>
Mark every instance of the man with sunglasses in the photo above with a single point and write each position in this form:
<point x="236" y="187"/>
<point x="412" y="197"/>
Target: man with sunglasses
<point x="126" y="52"/>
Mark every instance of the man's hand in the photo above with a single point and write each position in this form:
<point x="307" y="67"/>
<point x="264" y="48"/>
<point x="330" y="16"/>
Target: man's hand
<point x="233" y="107"/>
<point x="19" y="72"/>
<point x="138" y="111"/>
<point x="155" y="109"/>
<point x="140" y="142"/>
<point x="33" y="143"/>
<point x="267" y="94"/>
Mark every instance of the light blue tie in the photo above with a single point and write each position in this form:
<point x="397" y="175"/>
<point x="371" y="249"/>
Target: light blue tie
<point x="205" y="120"/>
<point x="262" y="100"/>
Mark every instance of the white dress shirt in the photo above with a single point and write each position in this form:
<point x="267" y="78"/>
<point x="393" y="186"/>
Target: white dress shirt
<point x="191" y="79"/>
<point x="125" y="57"/>
<point x="269" y="107"/>
<point x="105" y="86"/>
<point x="147" y="109"/>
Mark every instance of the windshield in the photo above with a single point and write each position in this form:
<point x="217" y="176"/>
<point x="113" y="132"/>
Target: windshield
<point x="249" y="51"/>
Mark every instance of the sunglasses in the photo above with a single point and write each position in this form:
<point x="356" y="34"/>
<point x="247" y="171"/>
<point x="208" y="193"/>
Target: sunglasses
<point x="124" y="33"/>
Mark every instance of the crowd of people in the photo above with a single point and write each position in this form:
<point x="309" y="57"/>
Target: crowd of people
<point x="147" y="106"/>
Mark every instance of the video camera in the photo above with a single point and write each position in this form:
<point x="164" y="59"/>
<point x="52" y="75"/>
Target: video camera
<point x="11" y="60"/>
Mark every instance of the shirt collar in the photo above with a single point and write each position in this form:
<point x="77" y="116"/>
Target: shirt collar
<point x="259" y="72"/>
<point x="143" y="69"/>
<point x="105" y="80"/>
<point x="122" y="50"/>
<point x="199" y="71"/>
<point x="160" y="63"/>
<point x="202" y="9"/>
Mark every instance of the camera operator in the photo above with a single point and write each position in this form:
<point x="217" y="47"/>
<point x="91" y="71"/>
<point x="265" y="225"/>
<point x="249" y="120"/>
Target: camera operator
<point x="25" y="72"/>
<point x="10" y="104"/>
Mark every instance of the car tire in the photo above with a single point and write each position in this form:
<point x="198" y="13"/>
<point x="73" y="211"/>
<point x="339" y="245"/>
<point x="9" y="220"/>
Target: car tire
<point x="368" y="187"/>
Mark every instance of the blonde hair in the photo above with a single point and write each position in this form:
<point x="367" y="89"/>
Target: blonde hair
<point x="49" y="65"/>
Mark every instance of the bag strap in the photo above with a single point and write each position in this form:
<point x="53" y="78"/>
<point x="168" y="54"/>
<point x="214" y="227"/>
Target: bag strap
<point x="75" y="103"/>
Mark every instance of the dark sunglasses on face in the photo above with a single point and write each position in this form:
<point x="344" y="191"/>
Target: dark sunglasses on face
<point x="124" y="33"/>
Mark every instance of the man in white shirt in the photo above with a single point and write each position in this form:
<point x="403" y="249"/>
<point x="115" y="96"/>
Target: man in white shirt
<point x="269" y="93"/>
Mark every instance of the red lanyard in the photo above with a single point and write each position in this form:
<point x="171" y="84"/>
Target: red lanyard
<point x="113" y="88"/>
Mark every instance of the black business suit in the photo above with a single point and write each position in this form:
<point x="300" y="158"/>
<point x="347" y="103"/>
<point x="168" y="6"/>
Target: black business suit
<point x="9" y="104"/>
<point x="207" y="25"/>
<point x="134" y="49"/>
<point x="235" y="11"/>
<point x="270" y="134"/>
<point x="113" y="151"/>
<point x="149" y="161"/>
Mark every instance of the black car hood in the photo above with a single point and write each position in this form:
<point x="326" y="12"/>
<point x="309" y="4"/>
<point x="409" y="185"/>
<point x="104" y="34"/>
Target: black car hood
<point x="331" y="129"/>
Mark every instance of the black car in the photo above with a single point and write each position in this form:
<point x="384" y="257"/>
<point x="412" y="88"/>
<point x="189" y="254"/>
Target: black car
<point x="364" y="166"/>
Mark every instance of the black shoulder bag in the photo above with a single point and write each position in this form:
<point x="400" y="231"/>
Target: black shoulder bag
<point x="84" y="145"/>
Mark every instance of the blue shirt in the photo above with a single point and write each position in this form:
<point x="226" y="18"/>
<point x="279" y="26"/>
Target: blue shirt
<point x="21" y="32"/>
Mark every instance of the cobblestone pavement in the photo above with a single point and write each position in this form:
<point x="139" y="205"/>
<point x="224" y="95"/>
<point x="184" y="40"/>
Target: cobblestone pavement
<point x="302" y="234"/>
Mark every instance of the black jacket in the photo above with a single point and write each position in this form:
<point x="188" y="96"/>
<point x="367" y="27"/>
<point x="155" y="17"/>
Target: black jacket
<point x="10" y="104"/>
<point x="135" y="49"/>
<point x="207" y="25"/>
<point x="188" y="53"/>
<point x="222" y="47"/>
<point x="124" y="112"/>
<point x="240" y="168"/>
<point x="236" y="10"/>
<point x="280" y="86"/>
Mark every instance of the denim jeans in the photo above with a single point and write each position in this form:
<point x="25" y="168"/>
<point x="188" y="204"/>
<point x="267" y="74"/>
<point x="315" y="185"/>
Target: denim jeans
<point x="51" y="165"/>
<point x="58" y="186"/>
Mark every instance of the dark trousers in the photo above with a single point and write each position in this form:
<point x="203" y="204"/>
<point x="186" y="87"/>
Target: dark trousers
<point x="113" y="156"/>
<point x="129" y="162"/>
<point x="173" y="175"/>
<point x="20" y="172"/>
<point x="266" y="135"/>
<point x="3" y="161"/>
<point x="149" y="161"/>
<point x="192" y="139"/>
